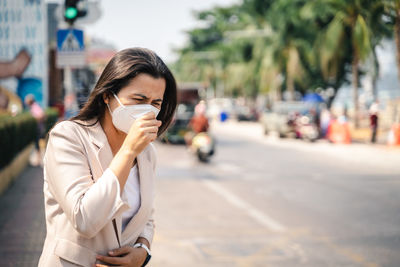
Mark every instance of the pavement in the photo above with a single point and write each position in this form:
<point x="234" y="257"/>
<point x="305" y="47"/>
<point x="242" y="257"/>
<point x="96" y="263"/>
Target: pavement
<point x="22" y="224"/>
<point x="261" y="201"/>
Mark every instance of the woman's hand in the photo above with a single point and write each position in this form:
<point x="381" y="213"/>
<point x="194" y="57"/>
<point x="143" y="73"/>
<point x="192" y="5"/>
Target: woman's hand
<point x="125" y="256"/>
<point x="143" y="131"/>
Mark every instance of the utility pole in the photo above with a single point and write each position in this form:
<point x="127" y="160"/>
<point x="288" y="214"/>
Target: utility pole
<point x="71" y="49"/>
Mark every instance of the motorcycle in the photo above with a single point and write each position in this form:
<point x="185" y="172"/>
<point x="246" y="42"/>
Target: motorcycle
<point x="203" y="145"/>
<point x="307" y="130"/>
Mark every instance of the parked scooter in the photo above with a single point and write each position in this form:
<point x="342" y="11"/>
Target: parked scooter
<point x="306" y="129"/>
<point x="203" y="146"/>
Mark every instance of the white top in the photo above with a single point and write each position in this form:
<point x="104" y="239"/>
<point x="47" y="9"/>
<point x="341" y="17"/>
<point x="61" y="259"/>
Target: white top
<point x="131" y="195"/>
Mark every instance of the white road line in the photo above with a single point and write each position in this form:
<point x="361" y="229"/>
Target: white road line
<point x="259" y="216"/>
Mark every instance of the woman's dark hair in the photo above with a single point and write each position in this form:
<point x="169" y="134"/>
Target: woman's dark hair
<point x="122" y="68"/>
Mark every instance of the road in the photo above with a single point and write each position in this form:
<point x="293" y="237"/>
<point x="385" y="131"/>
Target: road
<point x="260" y="202"/>
<point x="266" y="202"/>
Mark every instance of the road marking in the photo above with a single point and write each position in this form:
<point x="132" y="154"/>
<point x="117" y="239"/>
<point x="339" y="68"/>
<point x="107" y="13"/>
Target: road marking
<point x="259" y="216"/>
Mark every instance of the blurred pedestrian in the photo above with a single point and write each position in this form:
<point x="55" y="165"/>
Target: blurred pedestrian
<point x="39" y="115"/>
<point x="99" y="170"/>
<point x="326" y="119"/>
<point x="373" y="118"/>
<point x="198" y="123"/>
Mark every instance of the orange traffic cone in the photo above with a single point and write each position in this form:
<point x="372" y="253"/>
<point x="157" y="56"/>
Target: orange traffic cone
<point x="394" y="135"/>
<point x="339" y="132"/>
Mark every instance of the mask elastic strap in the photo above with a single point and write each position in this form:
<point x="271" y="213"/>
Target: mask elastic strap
<point x="109" y="109"/>
<point x="116" y="97"/>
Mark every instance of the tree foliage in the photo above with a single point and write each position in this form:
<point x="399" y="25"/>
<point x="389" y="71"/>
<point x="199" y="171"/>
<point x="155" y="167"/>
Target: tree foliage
<point x="276" y="45"/>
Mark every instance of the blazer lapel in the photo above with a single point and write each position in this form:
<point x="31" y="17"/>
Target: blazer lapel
<point x="99" y="139"/>
<point x="104" y="156"/>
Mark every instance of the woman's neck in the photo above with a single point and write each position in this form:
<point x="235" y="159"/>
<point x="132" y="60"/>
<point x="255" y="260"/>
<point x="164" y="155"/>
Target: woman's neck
<point x="115" y="138"/>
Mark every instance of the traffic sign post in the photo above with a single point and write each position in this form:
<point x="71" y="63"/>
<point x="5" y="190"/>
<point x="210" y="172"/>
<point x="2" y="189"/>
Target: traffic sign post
<point x="70" y="54"/>
<point x="70" y="48"/>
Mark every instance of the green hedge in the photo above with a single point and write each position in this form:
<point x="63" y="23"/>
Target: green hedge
<point x="19" y="131"/>
<point x="51" y="118"/>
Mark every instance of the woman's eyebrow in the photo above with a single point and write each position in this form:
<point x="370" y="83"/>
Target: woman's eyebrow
<point x="145" y="97"/>
<point x="140" y="95"/>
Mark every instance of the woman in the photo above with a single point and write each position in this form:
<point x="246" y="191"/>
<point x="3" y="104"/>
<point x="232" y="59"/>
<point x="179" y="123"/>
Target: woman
<point x="99" y="167"/>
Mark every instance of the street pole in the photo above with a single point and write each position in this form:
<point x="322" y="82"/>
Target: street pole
<point x="68" y="80"/>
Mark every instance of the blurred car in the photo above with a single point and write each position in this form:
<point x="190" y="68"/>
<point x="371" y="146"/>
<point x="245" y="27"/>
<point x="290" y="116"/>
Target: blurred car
<point x="282" y="117"/>
<point x="188" y="97"/>
<point x="245" y="113"/>
<point x="180" y="124"/>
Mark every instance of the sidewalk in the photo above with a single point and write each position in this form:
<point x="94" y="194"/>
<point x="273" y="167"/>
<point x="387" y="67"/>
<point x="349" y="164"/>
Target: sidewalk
<point x="22" y="220"/>
<point x="374" y="155"/>
<point x="363" y="135"/>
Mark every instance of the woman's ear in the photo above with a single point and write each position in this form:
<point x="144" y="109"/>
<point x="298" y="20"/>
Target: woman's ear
<point x="106" y="98"/>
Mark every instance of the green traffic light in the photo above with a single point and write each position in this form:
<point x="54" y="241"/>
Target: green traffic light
<point x="71" y="13"/>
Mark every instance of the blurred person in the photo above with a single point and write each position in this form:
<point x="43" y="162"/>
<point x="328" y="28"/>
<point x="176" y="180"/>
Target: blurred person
<point x="373" y="118"/>
<point x="198" y="123"/>
<point x="326" y="118"/>
<point x="39" y="115"/>
<point x="99" y="166"/>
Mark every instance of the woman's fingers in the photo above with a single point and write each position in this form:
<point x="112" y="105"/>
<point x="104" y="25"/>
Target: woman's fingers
<point x="150" y="130"/>
<point x="120" y="251"/>
<point x="117" y="256"/>
<point x="112" y="260"/>
<point x="147" y="123"/>
<point x="149" y="116"/>
<point x="143" y="131"/>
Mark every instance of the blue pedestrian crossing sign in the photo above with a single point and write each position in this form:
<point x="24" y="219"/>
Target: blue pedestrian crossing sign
<point x="70" y="48"/>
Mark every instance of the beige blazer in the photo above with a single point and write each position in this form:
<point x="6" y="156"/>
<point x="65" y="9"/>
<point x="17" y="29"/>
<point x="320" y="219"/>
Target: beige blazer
<point x="82" y="197"/>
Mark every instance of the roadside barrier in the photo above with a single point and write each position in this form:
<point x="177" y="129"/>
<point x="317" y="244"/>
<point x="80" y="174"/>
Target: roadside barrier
<point x="394" y="135"/>
<point x="339" y="132"/>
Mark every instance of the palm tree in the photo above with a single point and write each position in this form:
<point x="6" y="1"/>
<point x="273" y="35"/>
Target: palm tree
<point x="348" y="26"/>
<point x="291" y="42"/>
<point x="392" y="10"/>
<point x="396" y="8"/>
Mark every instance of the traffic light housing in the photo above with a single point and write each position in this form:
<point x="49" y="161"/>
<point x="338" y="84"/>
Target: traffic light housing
<point x="73" y="10"/>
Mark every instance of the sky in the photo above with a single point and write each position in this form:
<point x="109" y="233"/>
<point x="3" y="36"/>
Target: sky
<point x="155" y="24"/>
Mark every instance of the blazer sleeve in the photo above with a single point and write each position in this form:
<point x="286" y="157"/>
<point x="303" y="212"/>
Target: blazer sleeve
<point x="88" y="205"/>
<point x="148" y="231"/>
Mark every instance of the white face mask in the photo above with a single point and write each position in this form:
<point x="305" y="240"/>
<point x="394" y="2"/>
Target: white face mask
<point x="124" y="116"/>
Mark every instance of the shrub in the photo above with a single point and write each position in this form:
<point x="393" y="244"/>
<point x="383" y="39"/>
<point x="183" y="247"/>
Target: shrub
<point x="51" y="118"/>
<point x="19" y="131"/>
